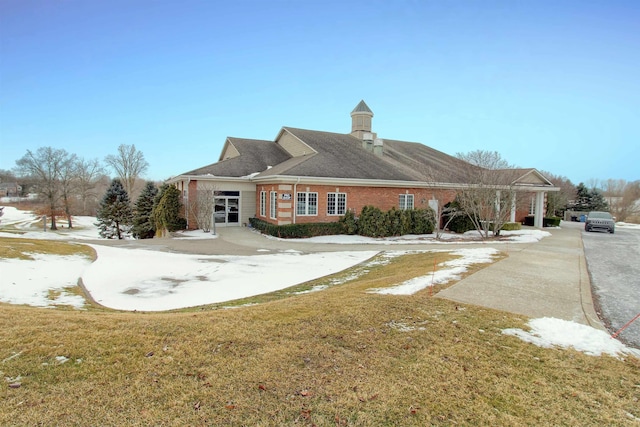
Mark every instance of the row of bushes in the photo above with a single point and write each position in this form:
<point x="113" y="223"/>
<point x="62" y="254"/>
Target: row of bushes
<point x="375" y="223"/>
<point x="371" y="223"/>
<point x="290" y="231"/>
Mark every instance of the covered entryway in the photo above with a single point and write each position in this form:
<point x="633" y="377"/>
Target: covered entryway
<point x="227" y="208"/>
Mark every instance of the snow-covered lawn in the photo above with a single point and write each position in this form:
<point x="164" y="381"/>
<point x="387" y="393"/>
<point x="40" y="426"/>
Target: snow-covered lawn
<point x="136" y="279"/>
<point x="41" y="282"/>
<point x="145" y="280"/>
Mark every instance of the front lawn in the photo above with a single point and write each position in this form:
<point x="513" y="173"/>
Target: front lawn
<point x="342" y="356"/>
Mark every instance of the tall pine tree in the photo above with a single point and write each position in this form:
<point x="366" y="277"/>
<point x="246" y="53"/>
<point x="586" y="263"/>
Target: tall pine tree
<point x="144" y="226"/>
<point x="167" y="211"/>
<point x="589" y="200"/>
<point x="114" y="214"/>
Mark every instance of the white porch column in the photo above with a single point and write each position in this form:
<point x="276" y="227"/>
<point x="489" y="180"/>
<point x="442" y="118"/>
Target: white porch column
<point x="539" y="210"/>
<point x="512" y="217"/>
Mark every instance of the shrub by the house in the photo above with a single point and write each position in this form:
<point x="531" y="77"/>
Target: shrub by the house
<point x="511" y="226"/>
<point x="552" y="221"/>
<point x="371" y="223"/>
<point x="290" y="231"/>
<point x="167" y="211"/>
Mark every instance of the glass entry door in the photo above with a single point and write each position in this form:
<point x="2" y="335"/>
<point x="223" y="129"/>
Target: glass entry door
<point x="227" y="208"/>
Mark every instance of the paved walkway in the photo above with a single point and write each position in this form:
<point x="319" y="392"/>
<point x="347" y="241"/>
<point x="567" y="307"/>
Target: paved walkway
<point x="544" y="279"/>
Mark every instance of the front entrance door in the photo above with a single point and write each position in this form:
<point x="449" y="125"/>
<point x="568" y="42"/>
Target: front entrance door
<point x="227" y="208"/>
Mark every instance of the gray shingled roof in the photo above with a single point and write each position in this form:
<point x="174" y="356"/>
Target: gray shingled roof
<point x="338" y="156"/>
<point x="427" y="164"/>
<point x="342" y="156"/>
<point x="255" y="156"/>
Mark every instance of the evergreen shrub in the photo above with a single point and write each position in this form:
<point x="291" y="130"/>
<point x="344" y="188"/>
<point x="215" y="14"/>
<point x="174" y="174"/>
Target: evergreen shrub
<point x="371" y="223"/>
<point x="350" y="223"/>
<point x="511" y="226"/>
<point x="461" y="224"/>
<point x="552" y="221"/>
<point x="292" y="231"/>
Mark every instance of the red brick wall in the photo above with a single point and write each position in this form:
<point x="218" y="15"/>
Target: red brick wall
<point x="192" y="193"/>
<point x="357" y="198"/>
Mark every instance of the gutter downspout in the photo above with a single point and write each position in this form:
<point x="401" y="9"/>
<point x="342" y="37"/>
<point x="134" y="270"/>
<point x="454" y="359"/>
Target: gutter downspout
<point x="295" y="199"/>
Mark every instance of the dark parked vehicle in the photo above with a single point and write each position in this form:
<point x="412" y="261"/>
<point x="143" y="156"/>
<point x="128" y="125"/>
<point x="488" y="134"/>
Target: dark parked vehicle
<point x="600" y="221"/>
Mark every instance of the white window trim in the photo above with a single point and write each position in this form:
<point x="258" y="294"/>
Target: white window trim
<point x="337" y="204"/>
<point x="403" y="201"/>
<point x="263" y="204"/>
<point x="532" y="205"/>
<point x="273" y="205"/>
<point x="306" y="201"/>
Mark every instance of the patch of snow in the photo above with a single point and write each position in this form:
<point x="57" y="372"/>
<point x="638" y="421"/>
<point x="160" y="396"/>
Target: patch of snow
<point x="313" y="289"/>
<point x="445" y="272"/>
<point x="515" y="236"/>
<point x="549" y="332"/>
<point x="194" y="235"/>
<point x="627" y="225"/>
<point x="119" y="280"/>
<point x="29" y="281"/>
<point x="61" y="359"/>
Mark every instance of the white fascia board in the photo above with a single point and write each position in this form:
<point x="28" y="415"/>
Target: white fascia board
<point x="209" y="178"/>
<point x="352" y="182"/>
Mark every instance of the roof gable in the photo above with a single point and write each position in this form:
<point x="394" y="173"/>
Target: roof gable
<point x="531" y="177"/>
<point x="253" y="156"/>
<point x="229" y="151"/>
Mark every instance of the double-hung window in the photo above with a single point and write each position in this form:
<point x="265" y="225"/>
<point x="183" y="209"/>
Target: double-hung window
<point x="336" y="203"/>
<point x="406" y="201"/>
<point x="307" y="204"/>
<point x="273" y="205"/>
<point x="263" y="203"/>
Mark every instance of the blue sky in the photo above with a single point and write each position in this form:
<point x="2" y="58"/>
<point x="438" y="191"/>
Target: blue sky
<point x="553" y="85"/>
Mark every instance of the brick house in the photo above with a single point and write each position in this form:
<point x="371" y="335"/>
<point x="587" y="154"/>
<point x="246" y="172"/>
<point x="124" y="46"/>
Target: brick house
<point x="314" y="176"/>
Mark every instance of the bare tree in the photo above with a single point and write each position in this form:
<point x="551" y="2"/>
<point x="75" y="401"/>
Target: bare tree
<point x="67" y="181"/>
<point x="129" y="164"/>
<point x="631" y="201"/>
<point x="88" y="174"/>
<point x="45" y="166"/>
<point x="202" y="205"/>
<point x="557" y="201"/>
<point x="438" y="203"/>
<point x="489" y="195"/>
<point x="622" y="197"/>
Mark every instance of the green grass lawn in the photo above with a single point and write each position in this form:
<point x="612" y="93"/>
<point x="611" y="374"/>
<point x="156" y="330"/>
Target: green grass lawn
<point x="337" y="357"/>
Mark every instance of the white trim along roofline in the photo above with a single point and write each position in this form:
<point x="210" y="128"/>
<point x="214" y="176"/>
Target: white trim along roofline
<point x="287" y="179"/>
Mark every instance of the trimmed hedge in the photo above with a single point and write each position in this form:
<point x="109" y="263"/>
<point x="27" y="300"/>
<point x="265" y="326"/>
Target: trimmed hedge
<point x="552" y="221"/>
<point x="291" y="231"/>
<point x="510" y="226"/>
